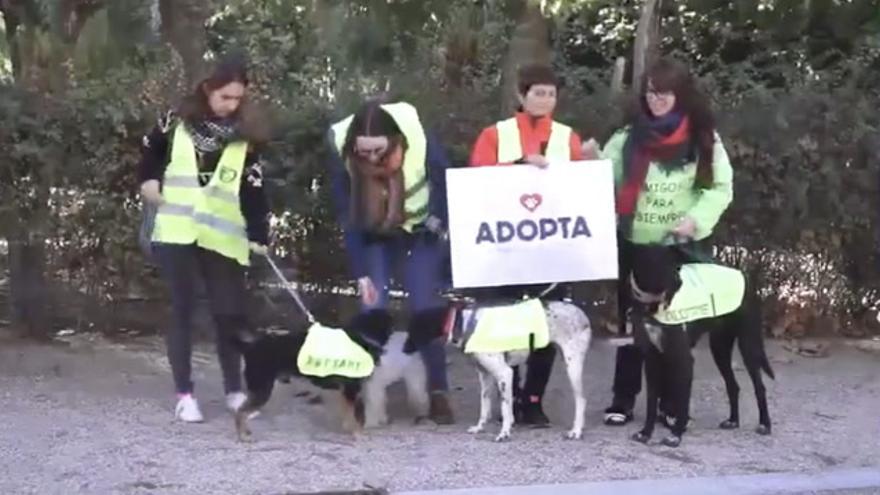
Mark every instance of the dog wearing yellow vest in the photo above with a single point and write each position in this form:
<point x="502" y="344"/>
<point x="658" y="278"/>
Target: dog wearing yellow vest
<point x="500" y="336"/>
<point x="343" y="360"/>
<point x="674" y="304"/>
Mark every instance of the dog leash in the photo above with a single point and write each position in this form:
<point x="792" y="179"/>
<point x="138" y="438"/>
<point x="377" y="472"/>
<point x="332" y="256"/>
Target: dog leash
<point x="290" y="289"/>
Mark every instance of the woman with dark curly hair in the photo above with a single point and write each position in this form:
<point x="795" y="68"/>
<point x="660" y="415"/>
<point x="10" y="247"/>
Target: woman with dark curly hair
<point x="673" y="181"/>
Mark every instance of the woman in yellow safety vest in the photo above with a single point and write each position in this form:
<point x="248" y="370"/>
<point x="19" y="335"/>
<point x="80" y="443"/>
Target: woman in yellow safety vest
<point x="201" y="172"/>
<point x="389" y="188"/>
<point x="530" y="137"/>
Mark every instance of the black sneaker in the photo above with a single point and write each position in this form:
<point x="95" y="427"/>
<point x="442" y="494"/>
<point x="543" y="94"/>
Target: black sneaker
<point x="532" y="414"/>
<point x="617" y="416"/>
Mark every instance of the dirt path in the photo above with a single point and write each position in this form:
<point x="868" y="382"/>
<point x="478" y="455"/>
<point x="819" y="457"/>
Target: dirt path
<point x="95" y="417"/>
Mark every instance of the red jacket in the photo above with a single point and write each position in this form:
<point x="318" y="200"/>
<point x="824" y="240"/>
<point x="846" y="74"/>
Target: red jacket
<point x="533" y="134"/>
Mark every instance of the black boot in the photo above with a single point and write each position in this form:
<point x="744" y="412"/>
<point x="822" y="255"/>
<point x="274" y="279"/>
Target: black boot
<point x="531" y="413"/>
<point x="538" y="369"/>
<point x="627" y="385"/>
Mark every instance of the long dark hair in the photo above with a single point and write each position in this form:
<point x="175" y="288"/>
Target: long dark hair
<point x="252" y="124"/>
<point x="667" y="74"/>
<point x="371" y="120"/>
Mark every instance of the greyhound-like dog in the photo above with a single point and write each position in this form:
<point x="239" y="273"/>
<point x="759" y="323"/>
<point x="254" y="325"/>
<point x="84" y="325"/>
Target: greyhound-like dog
<point x="658" y="278"/>
<point x="569" y="329"/>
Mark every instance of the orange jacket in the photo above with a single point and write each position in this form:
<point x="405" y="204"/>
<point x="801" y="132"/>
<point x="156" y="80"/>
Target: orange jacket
<point x="534" y="134"/>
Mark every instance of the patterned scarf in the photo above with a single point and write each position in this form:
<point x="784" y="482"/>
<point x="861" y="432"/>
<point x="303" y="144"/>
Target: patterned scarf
<point x="665" y="140"/>
<point x="377" y="192"/>
<point x="212" y="135"/>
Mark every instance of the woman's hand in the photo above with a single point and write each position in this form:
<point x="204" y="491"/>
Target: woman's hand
<point x="259" y="249"/>
<point x="537" y="160"/>
<point x="367" y="291"/>
<point x="590" y="150"/>
<point x="151" y="192"/>
<point x="686" y="228"/>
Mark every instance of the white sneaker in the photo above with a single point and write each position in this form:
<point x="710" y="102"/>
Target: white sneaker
<point x="235" y="400"/>
<point x="187" y="410"/>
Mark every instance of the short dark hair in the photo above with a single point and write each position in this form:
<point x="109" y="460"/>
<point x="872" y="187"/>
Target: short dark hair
<point x="532" y="74"/>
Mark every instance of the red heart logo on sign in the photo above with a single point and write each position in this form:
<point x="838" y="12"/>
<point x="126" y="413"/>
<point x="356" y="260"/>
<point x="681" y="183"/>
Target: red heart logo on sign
<point x="531" y="202"/>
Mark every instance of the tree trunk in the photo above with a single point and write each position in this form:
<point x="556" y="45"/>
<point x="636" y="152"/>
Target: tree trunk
<point x="647" y="35"/>
<point x="617" y="77"/>
<point x="530" y="43"/>
<point x="12" y="22"/>
<point x="183" y="26"/>
<point x="29" y="295"/>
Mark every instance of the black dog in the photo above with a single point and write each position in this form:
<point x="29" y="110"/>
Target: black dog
<point x="273" y="356"/>
<point x="656" y="278"/>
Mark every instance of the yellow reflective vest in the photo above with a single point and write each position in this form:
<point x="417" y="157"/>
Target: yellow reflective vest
<point x="510" y="144"/>
<point x="707" y="290"/>
<point x="414" y="169"/>
<point x="331" y="352"/>
<point x="208" y="216"/>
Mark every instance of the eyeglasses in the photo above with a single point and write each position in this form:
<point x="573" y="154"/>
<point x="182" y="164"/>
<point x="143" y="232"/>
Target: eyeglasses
<point x="371" y="152"/>
<point x="658" y="95"/>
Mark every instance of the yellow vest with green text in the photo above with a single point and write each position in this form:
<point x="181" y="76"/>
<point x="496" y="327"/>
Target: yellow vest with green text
<point x="507" y="328"/>
<point x="414" y="167"/>
<point x="208" y="216"/>
<point x="331" y="352"/>
<point x="510" y="145"/>
<point x="707" y="290"/>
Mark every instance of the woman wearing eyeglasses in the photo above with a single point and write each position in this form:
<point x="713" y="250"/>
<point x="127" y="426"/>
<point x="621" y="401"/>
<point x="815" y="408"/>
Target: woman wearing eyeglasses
<point x="389" y="188"/>
<point x="673" y="182"/>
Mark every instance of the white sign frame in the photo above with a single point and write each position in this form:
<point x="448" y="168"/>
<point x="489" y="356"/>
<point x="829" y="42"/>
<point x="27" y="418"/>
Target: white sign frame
<point x="533" y="243"/>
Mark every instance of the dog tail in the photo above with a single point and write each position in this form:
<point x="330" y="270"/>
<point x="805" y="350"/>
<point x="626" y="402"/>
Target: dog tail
<point x="765" y="365"/>
<point x="754" y="325"/>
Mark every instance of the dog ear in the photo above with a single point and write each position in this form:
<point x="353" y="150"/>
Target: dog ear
<point x="371" y="329"/>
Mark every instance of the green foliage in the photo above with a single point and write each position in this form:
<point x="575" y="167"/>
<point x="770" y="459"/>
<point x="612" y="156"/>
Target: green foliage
<point x="794" y="89"/>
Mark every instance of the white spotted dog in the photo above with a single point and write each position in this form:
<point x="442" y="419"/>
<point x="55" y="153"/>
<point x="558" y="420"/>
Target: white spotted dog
<point x="569" y="329"/>
<point x="395" y="365"/>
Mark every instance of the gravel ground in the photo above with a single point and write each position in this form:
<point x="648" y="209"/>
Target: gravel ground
<point x="93" y="416"/>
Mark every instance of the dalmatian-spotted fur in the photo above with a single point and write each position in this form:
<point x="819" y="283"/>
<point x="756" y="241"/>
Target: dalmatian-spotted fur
<point x="569" y="330"/>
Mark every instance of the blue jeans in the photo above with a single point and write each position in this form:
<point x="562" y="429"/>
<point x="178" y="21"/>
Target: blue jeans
<point x="422" y="256"/>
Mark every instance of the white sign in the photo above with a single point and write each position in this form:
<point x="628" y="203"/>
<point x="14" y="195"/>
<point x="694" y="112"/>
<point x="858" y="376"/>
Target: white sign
<point x="519" y="224"/>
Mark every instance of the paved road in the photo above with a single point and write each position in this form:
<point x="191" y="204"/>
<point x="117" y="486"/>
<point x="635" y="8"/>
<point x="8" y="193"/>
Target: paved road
<point x="95" y="417"/>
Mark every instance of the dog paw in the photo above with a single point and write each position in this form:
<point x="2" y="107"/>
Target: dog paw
<point x="245" y="436"/>
<point x="763" y="430"/>
<point x="672" y="441"/>
<point x="376" y="422"/>
<point x="419" y="420"/>
<point x="473" y="430"/>
<point x="503" y="436"/>
<point x="573" y="434"/>
<point x="640" y="437"/>
<point x="729" y="425"/>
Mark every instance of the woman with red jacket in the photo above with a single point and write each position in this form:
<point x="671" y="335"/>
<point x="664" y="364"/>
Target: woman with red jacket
<point x="530" y="137"/>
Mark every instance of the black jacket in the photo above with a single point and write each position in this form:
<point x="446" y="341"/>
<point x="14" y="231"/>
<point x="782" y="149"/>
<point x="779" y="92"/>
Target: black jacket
<point x="254" y="205"/>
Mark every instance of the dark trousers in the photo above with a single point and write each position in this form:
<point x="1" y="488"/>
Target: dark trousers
<point x="421" y="255"/>
<point x="630" y="358"/>
<point x="224" y="279"/>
